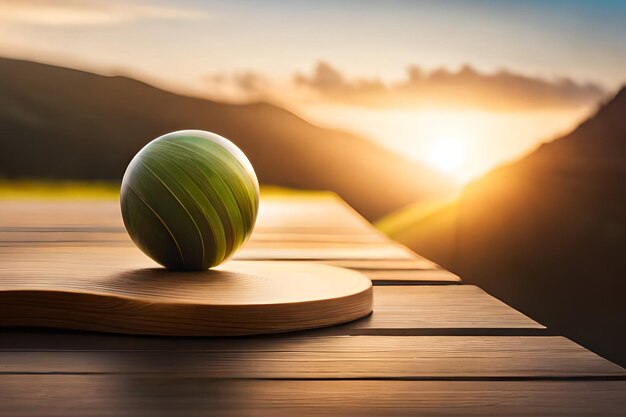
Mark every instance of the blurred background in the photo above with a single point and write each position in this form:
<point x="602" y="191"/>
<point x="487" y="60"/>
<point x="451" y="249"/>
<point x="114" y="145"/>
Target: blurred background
<point x="489" y="136"/>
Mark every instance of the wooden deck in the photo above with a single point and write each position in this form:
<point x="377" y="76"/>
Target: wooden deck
<point x="433" y="346"/>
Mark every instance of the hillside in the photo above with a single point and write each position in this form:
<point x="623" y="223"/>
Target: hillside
<point x="547" y="234"/>
<point x="60" y="123"/>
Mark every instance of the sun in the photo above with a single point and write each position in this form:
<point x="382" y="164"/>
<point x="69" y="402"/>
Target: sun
<point x="447" y="155"/>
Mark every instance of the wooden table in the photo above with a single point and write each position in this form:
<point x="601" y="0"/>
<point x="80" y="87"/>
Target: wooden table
<point x="432" y="346"/>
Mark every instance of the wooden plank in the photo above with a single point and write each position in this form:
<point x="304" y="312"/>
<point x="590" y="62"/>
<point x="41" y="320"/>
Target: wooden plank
<point x="60" y="260"/>
<point x="90" y="236"/>
<point x="409" y="310"/>
<point x="417" y="270"/>
<point x="403" y="310"/>
<point x="108" y="236"/>
<point x="394" y="256"/>
<point x="282" y="213"/>
<point x="404" y="277"/>
<point x="60" y="213"/>
<point x="382" y="271"/>
<point x="259" y="236"/>
<point x="115" y="395"/>
<point x="322" y="212"/>
<point x="285" y="243"/>
<point x="323" y="253"/>
<point x="311" y="216"/>
<point x="294" y="229"/>
<point x="368" y="253"/>
<point x="416" y="263"/>
<point x="283" y="250"/>
<point x="336" y="357"/>
<point x="16" y="235"/>
<point x="370" y="258"/>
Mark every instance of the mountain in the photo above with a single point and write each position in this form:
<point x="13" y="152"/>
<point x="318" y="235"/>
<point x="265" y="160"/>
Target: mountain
<point x="60" y="123"/>
<point x="547" y="234"/>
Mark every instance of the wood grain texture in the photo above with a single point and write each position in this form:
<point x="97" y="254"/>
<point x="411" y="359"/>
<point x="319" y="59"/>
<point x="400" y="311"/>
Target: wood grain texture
<point x="236" y="298"/>
<point x="329" y="212"/>
<point x="332" y="253"/>
<point x="289" y="214"/>
<point x="60" y="214"/>
<point x="383" y="364"/>
<point x="405" y="277"/>
<point x="284" y="249"/>
<point x="416" y="270"/>
<point x="372" y="261"/>
<point x="10" y="235"/>
<point x="163" y="395"/>
<point x="336" y="357"/>
<point x="407" y="309"/>
<point x="270" y="237"/>
<point x="323" y="230"/>
<point x="398" y="310"/>
<point x="70" y="255"/>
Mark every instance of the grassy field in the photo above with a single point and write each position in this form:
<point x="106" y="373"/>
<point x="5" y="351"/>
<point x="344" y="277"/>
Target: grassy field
<point x="52" y="190"/>
<point x="395" y="223"/>
<point x="100" y="190"/>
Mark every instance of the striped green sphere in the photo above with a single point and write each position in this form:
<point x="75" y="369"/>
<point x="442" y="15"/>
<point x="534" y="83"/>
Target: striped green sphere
<point x="189" y="199"/>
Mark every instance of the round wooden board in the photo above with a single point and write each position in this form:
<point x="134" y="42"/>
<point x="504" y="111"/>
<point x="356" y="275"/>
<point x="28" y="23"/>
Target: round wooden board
<point x="237" y="298"/>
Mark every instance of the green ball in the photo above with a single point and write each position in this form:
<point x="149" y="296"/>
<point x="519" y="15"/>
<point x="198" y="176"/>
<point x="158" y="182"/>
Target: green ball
<point x="189" y="199"/>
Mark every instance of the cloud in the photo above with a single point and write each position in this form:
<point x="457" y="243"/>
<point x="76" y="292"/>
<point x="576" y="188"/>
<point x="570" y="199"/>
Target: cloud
<point x="251" y="81"/>
<point x="328" y="80"/>
<point x="88" y="12"/>
<point x="467" y="87"/>
<point x="241" y="86"/>
<point x="440" y="88"/>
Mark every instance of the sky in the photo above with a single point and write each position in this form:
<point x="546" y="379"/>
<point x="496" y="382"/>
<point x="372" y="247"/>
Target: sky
<point x="459" y="85"/>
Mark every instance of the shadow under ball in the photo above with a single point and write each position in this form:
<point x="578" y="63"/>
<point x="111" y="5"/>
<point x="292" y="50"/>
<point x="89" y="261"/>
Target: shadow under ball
<point x="189" y="199"/>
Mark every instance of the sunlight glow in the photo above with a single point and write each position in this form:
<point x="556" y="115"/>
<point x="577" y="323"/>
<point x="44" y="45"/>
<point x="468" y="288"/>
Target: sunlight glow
<point x="447" y="155"/>
<point x="485" y="139"/>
